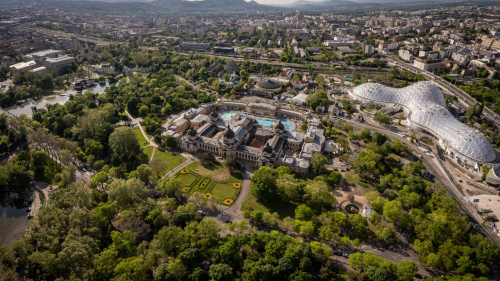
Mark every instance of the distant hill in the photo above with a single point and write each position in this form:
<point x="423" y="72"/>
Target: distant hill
<point x="212" y="5"/>
<point x="309" y="5"/>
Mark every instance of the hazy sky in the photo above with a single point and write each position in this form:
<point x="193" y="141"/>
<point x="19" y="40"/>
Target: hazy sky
<point x="279" y="1"/>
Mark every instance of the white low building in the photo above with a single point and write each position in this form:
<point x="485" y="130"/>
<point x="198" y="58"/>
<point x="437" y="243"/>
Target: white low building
<point x="102" y="68"/>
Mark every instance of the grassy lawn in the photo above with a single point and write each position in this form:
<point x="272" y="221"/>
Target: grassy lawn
<point x="283" y="208"/>
<point x="140" y="136"/>
<point x="187" y="179"/>
<point x="148" y="151"/>
<point x="198" y="187"/>
<point x="216" y="171"/>
<point x="172" y="160"/>
<point x="223" y="191"/>
<point x="352" y="177"/>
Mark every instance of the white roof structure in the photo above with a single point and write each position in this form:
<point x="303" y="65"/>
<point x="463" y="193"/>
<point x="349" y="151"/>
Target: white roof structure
<point x="427" y="109"/>
<point x="300" y="98"/>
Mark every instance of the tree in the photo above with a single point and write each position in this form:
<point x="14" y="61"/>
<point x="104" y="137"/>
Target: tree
<point x="485" y="170"/>
<point x="158" y="165"/>
<point x="345" y="241"/>
<point x="303" y="126"/>
<point x="170" y="142"/>
<point x="303" y="213"/>
<point x="406" y="270"/>
<point x="123" y="141"/>
<point x="382" y="118"/>
<point x="40" y="159"/>
<point x="221" y="272"/>
<point x="144" y="172"/>
<point x="205" y="158"/>
<point x="100" y="178"/>
<point x="19" y="178"/>
<point x="127" y="192"/>
<point x="392" y="211"/>
<point x="232" y="164"/>
<point x="170" y="187"/>
<point x="333" y="178"/>
<point x="144" y="110"/>
<point x="264" y="184"/>
<point x="318" y="163"/>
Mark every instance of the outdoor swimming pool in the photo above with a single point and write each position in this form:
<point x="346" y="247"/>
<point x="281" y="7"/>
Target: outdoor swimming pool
<point x="226" y="116"/>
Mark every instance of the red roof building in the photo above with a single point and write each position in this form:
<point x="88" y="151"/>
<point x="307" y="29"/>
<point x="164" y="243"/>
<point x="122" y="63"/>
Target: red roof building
<point x="256" y="143"/>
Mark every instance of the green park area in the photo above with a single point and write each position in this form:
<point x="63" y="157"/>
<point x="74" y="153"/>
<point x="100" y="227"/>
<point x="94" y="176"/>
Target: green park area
<point x="148" y="151"/>
<point x="224" y="190"/>
<point x="187" y="178"/>
<point x="208" y="174"/>
<point x="172" y="160"/>
<point x="276" y="205"/>
<point x="140" y="137"/>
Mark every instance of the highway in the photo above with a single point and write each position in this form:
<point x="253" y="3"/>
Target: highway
<point x="318" y="66"/>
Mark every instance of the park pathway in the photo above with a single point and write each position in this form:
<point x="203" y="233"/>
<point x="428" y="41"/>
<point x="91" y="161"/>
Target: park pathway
<point x="137" y="122"/>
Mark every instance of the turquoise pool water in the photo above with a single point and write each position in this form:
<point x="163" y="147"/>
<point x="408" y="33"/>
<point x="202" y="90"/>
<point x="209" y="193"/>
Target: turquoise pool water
<point x="263" y="122"/>
<point x="226" y="116"/>
<point x="288" y="125"/>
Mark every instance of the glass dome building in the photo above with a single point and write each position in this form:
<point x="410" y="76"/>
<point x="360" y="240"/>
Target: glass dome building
<point x="426" y="109"/>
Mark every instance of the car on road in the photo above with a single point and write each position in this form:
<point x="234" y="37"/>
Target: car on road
<point x="460" y="181"/>
<point x="342" y="170"/>
<point x="420" y="276"/>
<point x="346" y="255"/>
<point x="229" y="222"/>
<point x="202" y="213"/>
<point x="337" y="253"/>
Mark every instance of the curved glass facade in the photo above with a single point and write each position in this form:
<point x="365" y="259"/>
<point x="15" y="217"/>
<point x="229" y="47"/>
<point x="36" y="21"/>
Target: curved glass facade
<point x="427" y="109"/>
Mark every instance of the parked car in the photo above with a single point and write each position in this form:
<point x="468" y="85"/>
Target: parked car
<point x="346" y="255"/>
<point x="202" y="213"/>
<point x="337" y="253"/>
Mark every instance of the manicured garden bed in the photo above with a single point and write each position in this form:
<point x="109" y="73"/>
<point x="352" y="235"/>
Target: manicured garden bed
<point x="188" y="179"/>
<point x="223" y="191"/>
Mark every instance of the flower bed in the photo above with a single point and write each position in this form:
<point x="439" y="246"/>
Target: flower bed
<point x="204" y="183"/>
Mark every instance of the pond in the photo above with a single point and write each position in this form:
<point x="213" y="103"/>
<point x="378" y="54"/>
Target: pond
<point x="352" y="209"/>
<point x="25" y="108"/>
<point x="13" y="217"/>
